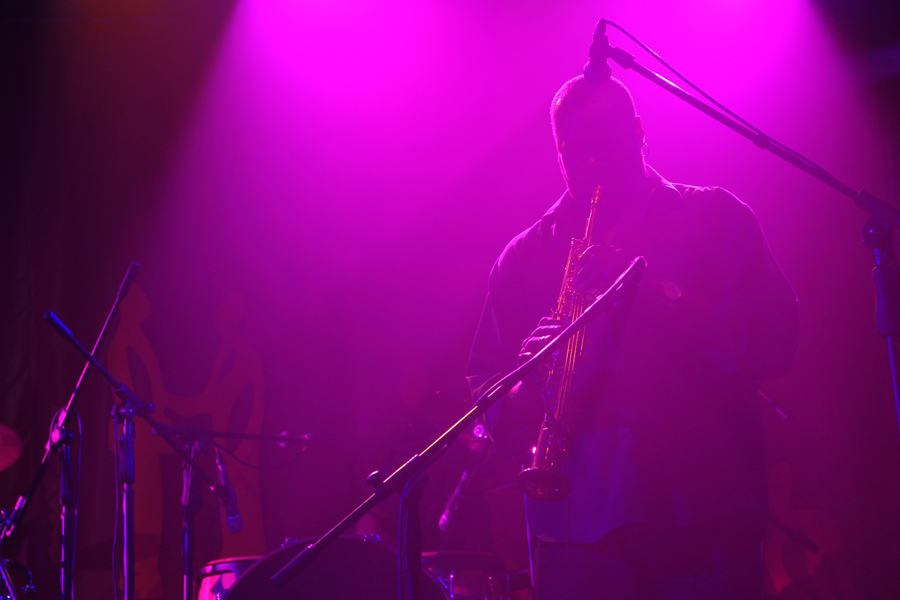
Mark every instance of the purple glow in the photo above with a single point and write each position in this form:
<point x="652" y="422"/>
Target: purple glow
<point x="346" y="139"/>
<point x="363" y="165"/>
<point x="317" y="189"/>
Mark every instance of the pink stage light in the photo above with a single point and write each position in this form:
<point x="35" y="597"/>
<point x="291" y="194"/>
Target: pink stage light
<point x="352" y="53"/>
<point x="357" y="118"/>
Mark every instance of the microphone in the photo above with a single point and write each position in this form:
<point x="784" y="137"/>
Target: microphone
<point x="226" y="492"/>
<point x="59" y="326"/>
<point x="597" y="70"/>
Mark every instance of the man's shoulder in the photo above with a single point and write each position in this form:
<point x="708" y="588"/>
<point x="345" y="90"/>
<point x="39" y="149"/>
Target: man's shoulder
<point x="536" y="247"/>
<point x="711" y="200"/>
<point x="706" y="195"/>
<point x="691" y="197"/>
<point x="523" y="245"/>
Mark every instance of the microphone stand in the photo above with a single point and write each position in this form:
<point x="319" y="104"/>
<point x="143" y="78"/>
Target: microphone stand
<point x="404" y="478"/>
<point x="876" y="232"/>
<point x="191" y="503"/>
<point x="130" y="408"/>
<point x="60" y="441"/>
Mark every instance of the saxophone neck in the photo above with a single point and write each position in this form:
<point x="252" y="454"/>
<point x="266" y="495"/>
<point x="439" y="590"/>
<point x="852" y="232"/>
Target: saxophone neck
<point x="592" y="214"/>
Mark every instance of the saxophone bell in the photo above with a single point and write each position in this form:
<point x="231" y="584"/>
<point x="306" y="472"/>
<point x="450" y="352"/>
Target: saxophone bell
<point x="544" y="480"/>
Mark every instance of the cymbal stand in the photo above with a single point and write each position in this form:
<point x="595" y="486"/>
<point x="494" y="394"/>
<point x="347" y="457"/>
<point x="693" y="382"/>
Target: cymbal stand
<point x="7" y="587"/>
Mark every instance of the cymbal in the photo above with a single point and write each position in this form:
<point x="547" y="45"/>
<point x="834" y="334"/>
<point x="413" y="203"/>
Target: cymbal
<point x="10" y="447"/>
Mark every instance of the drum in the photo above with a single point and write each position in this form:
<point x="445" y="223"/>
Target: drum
<point x="351" y="568"/>
<point x="219" y="575"/>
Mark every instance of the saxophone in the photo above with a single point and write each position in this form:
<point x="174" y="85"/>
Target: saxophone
<point x="544" y="479"/>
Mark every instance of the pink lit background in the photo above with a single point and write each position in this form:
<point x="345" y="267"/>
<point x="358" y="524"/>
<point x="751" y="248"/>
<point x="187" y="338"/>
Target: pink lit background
<point x="349" y="170"/>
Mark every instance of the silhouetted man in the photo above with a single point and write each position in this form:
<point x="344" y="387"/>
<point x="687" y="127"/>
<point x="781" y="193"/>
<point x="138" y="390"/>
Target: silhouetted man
<point x="668" y="488"/>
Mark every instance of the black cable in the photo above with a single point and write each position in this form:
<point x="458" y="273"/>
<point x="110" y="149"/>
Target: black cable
<point x="259" y="467"/>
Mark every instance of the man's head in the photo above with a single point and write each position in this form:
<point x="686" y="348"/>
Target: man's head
<point x="598" y="136"/>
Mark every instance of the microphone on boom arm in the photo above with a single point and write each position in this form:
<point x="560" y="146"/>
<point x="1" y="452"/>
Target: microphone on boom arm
<point x="229" y="499"/>
<point x="597" y="70"/>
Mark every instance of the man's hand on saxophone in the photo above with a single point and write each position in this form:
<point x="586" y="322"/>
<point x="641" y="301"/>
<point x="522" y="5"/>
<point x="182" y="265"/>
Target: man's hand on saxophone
<point x="598" y="268"/>
<point x="547" y="329"/>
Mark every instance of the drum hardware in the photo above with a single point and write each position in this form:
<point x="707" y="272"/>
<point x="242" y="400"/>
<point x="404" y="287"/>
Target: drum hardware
<point x="8" y="587"/>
